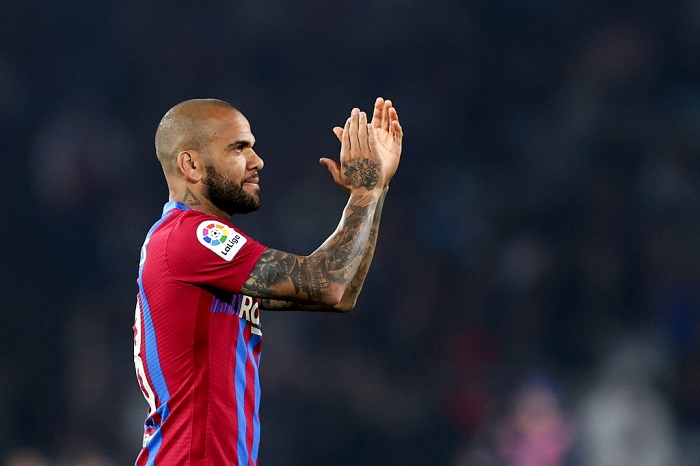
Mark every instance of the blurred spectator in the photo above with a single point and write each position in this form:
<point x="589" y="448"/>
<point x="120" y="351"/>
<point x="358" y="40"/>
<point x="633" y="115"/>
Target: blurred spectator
<point x="624" y="420"/>
<point x="536" y="432"/>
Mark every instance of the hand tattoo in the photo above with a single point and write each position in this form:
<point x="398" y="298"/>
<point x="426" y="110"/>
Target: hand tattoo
<point x="362" y="173"/>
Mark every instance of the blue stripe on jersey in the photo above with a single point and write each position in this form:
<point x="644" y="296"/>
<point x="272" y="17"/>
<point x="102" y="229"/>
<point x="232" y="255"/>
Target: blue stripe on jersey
<point x="152" y="359"/>
<point x="154" y="443"/>
<point x="239" y="386"/>
<point x="254" y="341"/>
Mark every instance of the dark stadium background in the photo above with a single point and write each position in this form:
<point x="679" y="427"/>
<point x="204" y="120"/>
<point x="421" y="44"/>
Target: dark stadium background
<point x="536" y="288"/>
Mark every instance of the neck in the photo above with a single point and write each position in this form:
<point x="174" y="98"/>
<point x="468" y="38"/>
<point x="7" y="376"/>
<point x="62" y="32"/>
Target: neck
<point x="197" y="202"/>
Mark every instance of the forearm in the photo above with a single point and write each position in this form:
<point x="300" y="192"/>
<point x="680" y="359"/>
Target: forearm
<point x="344" y="253"/>
<point x="352" y="291"/>
<point x="322" y="277"/>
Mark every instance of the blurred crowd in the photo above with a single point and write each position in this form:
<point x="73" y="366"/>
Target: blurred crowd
<point x="535" y="295"/>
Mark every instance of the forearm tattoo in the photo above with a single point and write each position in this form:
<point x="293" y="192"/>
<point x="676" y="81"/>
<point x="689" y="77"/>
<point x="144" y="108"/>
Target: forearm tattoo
<point x="358" y="280"/>
<point x="362" y="173"/>
<point x="335" y="263"/>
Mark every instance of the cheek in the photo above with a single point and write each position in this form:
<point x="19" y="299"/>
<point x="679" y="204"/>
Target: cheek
<point x="234" y="172"/>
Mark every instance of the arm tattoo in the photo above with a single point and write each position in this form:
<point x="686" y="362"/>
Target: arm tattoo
<point x="358" y="280"/>
<point x="275" y="267"/>
<point x="362" y="173"/>
<point x="189" y="198"/>
<point x="276" y="304"/>
<point x="335" y="262"/>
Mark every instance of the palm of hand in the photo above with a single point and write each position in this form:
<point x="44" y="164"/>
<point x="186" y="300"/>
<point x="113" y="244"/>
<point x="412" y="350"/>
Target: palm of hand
<point x="389" y="145"/>
<point x="388" y="135"/>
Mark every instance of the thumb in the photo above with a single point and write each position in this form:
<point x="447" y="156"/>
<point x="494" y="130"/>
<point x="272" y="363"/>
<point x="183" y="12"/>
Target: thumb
<point x="334" y="169"/>
<point x="338" y="131"/>
<point x="331" y="165"/>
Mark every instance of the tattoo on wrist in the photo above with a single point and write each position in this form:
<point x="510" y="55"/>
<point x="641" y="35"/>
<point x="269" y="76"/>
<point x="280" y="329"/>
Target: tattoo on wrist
<point x="362" y="173"/>
<point x="189" y="198"/>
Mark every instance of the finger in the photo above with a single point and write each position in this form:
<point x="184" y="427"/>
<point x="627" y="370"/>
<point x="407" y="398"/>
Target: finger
<point x="394" y="126"/>
<point x="393" y="115"/>
<point x="378" y="112"/>
<point x="354" y="122"/>
<point x="396" y="131"/>
<point x="372" y="139"/>
<point x="345" y="140"/>
<point x="362" y="136"/>
<point x="338" y="131"/>
<point x="386" y="116"/>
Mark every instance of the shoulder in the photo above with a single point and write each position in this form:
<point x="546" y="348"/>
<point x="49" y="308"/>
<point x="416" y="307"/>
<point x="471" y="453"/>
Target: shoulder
<point x="197" y="231"/>
<point x="205" y="229"/>
<point x="203" y="249"/>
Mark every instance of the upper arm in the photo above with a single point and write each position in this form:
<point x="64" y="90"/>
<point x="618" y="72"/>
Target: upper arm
<point x="223" y="262"/>
<point x="280" y="275"/>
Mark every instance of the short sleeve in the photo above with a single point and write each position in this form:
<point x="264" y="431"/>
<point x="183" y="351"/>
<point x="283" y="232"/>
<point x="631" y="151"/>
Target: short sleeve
<point x="207" y="251"/>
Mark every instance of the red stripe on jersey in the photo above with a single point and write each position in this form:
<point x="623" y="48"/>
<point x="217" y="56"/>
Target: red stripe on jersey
<point x="142" y="458"/>
<point x="201" y="392"/>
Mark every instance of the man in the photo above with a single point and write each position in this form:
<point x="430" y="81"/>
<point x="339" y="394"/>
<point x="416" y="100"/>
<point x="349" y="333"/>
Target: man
<point x="202" y="281"/>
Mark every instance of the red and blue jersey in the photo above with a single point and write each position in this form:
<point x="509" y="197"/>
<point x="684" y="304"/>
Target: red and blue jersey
<point x="197" y="342"/>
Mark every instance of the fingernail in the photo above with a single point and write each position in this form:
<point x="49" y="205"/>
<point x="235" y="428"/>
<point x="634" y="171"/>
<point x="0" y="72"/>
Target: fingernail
<point x="363" y="116"/>
<point x="355" y="111"/>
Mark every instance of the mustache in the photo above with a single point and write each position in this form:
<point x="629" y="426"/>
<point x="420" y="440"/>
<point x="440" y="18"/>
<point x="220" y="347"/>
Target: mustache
<point x="254" y="177"/>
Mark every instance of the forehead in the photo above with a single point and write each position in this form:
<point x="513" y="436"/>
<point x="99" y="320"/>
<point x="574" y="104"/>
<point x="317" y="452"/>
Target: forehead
<point x="227" y="126"/>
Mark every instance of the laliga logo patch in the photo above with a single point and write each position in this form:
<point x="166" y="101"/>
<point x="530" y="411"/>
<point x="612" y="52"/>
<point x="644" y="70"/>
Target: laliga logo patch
<point x="214" y="233"/>
<point x="221" y="239"/>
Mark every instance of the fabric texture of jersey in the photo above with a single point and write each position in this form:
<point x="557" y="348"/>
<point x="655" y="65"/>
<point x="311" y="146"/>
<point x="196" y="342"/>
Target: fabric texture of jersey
<point x="197" y="342"/>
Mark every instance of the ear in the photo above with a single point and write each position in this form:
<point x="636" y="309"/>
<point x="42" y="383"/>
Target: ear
<point x="191" y="165"/>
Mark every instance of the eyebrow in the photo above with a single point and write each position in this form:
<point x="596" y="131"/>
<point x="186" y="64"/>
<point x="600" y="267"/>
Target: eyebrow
<point x="240" y="143"/>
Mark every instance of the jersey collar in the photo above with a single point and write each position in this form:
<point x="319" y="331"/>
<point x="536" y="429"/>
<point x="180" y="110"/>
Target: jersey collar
<point x="173" y="205"/>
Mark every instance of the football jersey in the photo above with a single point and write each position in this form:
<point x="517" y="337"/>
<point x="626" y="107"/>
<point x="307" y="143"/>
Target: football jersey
<point x="197" y="342"/>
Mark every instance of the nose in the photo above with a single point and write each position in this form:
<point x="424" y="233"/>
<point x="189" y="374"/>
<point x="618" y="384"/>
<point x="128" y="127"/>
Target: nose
<point x="255" y="162"/>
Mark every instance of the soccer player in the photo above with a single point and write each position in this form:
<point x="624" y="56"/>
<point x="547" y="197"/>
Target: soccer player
<point x="202" y="282"/>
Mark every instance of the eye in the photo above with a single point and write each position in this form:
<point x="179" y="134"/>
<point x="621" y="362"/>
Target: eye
<point x="238" y="147"/>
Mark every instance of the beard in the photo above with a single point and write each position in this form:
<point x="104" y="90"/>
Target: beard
<point x="227" y="195"/>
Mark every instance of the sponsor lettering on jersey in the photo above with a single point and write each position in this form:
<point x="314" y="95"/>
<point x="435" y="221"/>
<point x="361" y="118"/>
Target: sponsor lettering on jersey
<point x="251" y="312"/>
<point x="243" y="307"/>
<point x="220" y="238"/>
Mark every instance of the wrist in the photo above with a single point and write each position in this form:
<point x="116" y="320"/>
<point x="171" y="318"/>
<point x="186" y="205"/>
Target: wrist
<point x="365" y="197"/>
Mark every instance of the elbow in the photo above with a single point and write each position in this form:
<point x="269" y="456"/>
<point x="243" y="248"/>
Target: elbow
<point x="337" y="301"/>
<point x="332" y="297"/>
<point x="344" y="307"/>
<point x="345" y="304"/>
